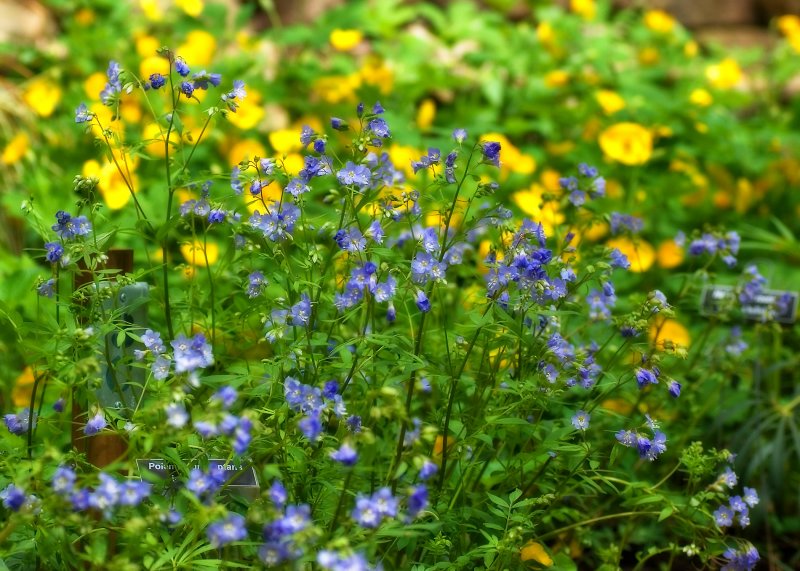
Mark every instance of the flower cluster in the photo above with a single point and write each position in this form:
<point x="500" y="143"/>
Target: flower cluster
<point x="283" y="536"/>
<point x="738" y="506"/>
<point x="15" y="499"/>
<point x="714" y="243"/>
<point x="648" y="448"/>
<point x="18" y="423"/>
<point x="588" y="182"/>
<point x="68" y="227"/>
<point x="742" y="559"/>
<point x="313" y="402"/>
<point x="188" y="355"/>
<point x="109" y="494"/>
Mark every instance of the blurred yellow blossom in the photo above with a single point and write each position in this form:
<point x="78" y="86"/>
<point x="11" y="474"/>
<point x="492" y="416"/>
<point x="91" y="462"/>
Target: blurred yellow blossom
<point x="533" y="551"/>
<point x="85" y="17"/>
<point x="640" y="254"/>
<point x="584" y="8"/>
<point x="151" y="10"/>
<point x="345" y="40"/>
<point x="545" y="33"/>
<point x="376" y="72"/>
<point x="42" y="95"/>
<point x="337" y="88"/>
<point x="285" y="141"/>
<point x="191" y="7"/>
<point x="426" y="114"/>
<point x="402" y="156"/>
<point x="627" y="143"/>
<point x="701" y="97"/>
<point x="556" y="78"/>
<point x="659" y="21"/>
<point x="94" y="84"/>
<point x="245" y="149"/>
<point x="198" y="49"/>
<point x="16" y="148"/>
<point x="154" y="136"/>
<point x="292" y="163"/>
<point x="153" y="64"/>
<point x="111" y="184"/>
<point x="23" y="387"/>
<point x="146" y="45"/>
<point x="691" y="49"/>
<point x="196" y="254"/>
<point x="724" y="75"/>
<point x="531" y="203"/>
<point x="511" y="158"/>
<point x="664" y="330"/>
<point x="269" y="194"/>
<point x="649" y="56"/>
<point x="250" y="111"/>
<point x="551" y="180"/>
<point x="609" y="101"/>
<point x="789" y="24"/>
<point x="669" y="254"/>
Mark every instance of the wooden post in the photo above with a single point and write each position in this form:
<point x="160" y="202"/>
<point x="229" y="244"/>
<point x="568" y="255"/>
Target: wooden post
<point x="100" y="449"/>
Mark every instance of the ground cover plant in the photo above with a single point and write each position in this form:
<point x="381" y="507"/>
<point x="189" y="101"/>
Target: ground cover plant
<point x="391" y="337"/>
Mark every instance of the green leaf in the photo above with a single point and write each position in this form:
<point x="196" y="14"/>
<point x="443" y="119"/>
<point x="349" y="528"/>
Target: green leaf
<point x="665" y="513"/>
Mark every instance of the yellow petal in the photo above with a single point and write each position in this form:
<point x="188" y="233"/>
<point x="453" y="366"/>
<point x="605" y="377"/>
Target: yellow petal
<point x="191" y="7"/>
<point x="665" y="331"/>
<point x="15" y="149"/>
<point x="195" y="254"/>
<point x="345" y="40"/>
<point x="533" y="551"/>
<point x="42" y="95"/>
<point x="669" y="254"/>
<point x="426" y="114"/>
<point x="198" y="49"/>
<point x="245" y="149"/>
<point x="23" y="387"/>
<point x="627" y="143"/>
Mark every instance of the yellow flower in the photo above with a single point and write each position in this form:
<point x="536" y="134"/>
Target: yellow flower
<point x="94" y="84"/>
<point x="724" y="75"/>
<point x="23" y="386"/>
<point x="659" y="21"/>
<point x="16" y="148"/>
<point x="151" y="10"/>
<point x="151" y="65"/>
<point x="245" y="149"/>
<point x="111" y="184"/>
<point x="551" y="180"/>
<point x="649" y="56"/>
<point x="198" y="49"/>
<point x="191" y="7"/>
<point x="42" y="95"/>
<point x="586" y="9"/>
<point x="195" y="254"/>
<point x="533" y="551"/>
<point x="794" y="41"/>
<point x="426" y="114"/>
<point x="639" y="253"/>
<point x="285" y="141"/>
<point x="402" y="156"/>
<point x="345" y="40"/>
<point x="129" y="109"/>
<point x="559" y="148"/>
<point x="556" y="78"/>
<point x="269" y="194"/>
<point x="337" y="88"/>
<point x="376" y="72"/>
<point x="610" y="101"/>
<point x="155" y="135"/>
<point x="545" y="33"/>
<point x="789" y="24"/>
<point x="250" y="112"/>
<point x="530" y="201"/>
<point x="627" y="143"/>
<point x="691" y="49"/>
<point x="85" y="17"/>
<point x="664" y="332"/>
<point x="293" y="163"/>
<point x="146" y="45"/>
<point x="669" y="254"/>
<point x="701" y="97"/>
<point x="511" y="158"/>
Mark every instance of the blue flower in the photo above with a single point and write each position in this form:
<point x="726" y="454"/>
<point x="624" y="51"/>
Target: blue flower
<point x="13" y="497"/>
<point x="491" y="152"/>
<point x="152" y="341"/>
<point x="301" y="311"/>
<point x="750" y="497"/>
<point x="95" y="424"/>
<point x="63" y="480"/>
<point x="203" y="78"/>
<point x="68" y="227"/>
<point x="177" y="415"/>
<point x="674" y="388"/>
<point x="46" y="288"/>
<point x="182" y="68"/>
<point x="417" y="500"/>
<point x="191" y="354"/>
<point x="311" y="426"/>
<point x="744" y="559"/>
<point x="618" y="259"/>
<point x="723" y="516"/>
<point x="346" y="455"/>
<point x="256" y="282"/>
<point x="114" y="85"/>
<point x="227" y="530"/>
<point x="459" y="135"/>
<point x="427" y="470"/>
<point x="620" y="222"/>
<point x="354" y="175"/>
<point x="226" y="396"/>
<point x="82" y="114"/>
<point x="423" y="304"/>
<point x="379" y="128"/>
<point x="277" y="494"/>
<point x="339" y="124"/>
<point x="157" y="81"/>
<point x="580" y="420"/>
<point x="187" y="88"/>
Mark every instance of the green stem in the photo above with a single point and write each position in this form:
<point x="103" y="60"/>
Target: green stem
<point x="592" y="521"/>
